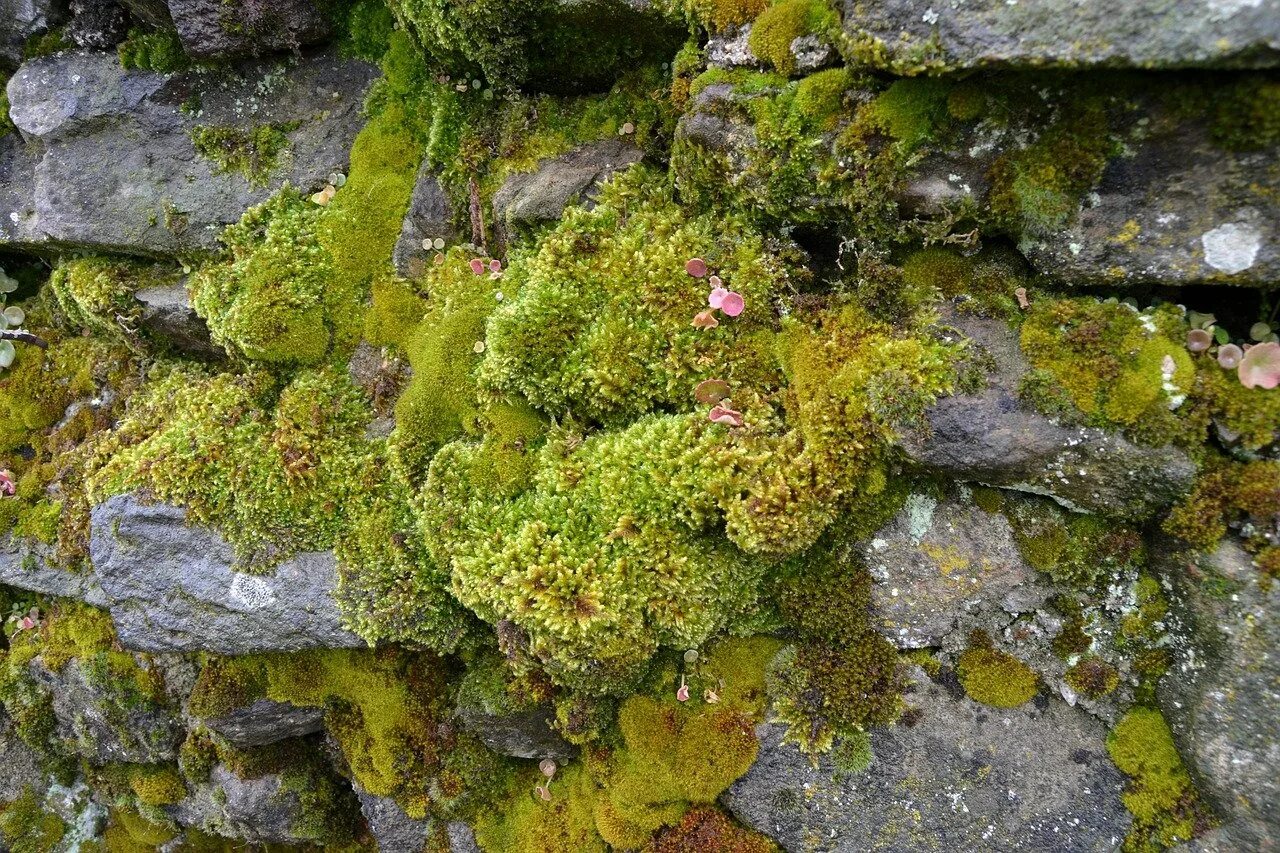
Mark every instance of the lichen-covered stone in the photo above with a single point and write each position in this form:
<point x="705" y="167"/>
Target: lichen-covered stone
<point x="212" y="29"/>
<point x="390" y="826"/>
<point x="963" y="775"/>
<point x="430" y="217"/>
<point x="171" y="587"/>
<point x="265" y="721"/>
<point x="22" y="19"/>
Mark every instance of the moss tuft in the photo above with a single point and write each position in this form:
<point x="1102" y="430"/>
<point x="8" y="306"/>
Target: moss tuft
<point x="1161" y="797"/>
<point x="252" y="153"/>
<point x="995" y="678"/>
<point x="782" y="23"/>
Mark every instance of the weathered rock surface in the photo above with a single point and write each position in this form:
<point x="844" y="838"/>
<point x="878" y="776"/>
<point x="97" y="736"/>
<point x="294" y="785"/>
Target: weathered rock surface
<point x="942" y="569"/>
<point x="215" y="29"/>
<point x="390" y="826"/>
<point x="430" y="217"/>
<point x="462" y="838"/>
<point x="22" y="19"/>
<point x="117" y="170"/>
<point x="990" y="437"/>
<point x="266" y="721"/>
<point x="524" y="733"/>
<point x="19" y="764"/>
<point x="23" y="564"/>
<point x="1223" y="689"/>
<point x="965" y="777"/>
<point x="541" y="196"/>
<point x="96" y="24"/>
<point x="167" y="313"/>
<point x="171" y="587"/>
<point x="105" y="720"/>
<point x="1132" y="33"/>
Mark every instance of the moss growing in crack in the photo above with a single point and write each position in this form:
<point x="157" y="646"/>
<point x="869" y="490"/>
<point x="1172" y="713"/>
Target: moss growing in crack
<point x="1228" y="494"/>
<point x="27" y="827"/>
<point x="994" y="677"/>
<point x="97" y="294"/>
<point x="1245" y="115"/>
<point x="160" y="52"/>
<point x="252" y="153"/>
<point x="1164" y="804"/>
<point x="719" y="15"/>
<point x="782" y="23"/>
<point x="1092" y="678"/>
<point x="706" y="829"/>
<point x="128" y="831"/>
<point x="1078" y="551"/>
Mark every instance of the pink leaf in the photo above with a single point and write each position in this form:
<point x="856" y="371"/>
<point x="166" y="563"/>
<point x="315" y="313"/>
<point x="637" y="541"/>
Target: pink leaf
<point x="716" y="298"/>
<point x="495" y="265"/>
<point x="1260" y="367"/>
<point x="477" y="266"/>
<point x="1198" y="340"/>
<point x="705" y="320"/>
<point x="711" y="391"/>
<point x="724" y="415"/>
<point x="732" y="304"/>
<point x="696" y="267"/>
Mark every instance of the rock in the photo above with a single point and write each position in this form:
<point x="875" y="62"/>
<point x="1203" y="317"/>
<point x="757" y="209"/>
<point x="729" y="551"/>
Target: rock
<point x="117" y="170"/>
<point x="24" y="564"/>
<point x="22" y="19"/>
<point x="83" y="818"/>
<point x="462" y="838"/>
<point x="898" y="36"/>
<point x="154" y="13"/>
<point x="1178" y="210"/>
<point x="17" y="193"/>
<point x="430" y="216"/>
<point x="990" y="437"/>
<point x="1222" y="691"/>
<point x="812" y="53"/>
<point x="97" y="24"/>
<point x="213" y="29"/>
<point x="390" y="826"/>
<point x="540" y="196"/>
<point x="729" y="49"/>
<point x="104" y="719"/>
<point x="964" y="777"/>
<point x="943" y="569"/>
<point x="171" y="587"/>
<point x="167" y="313"/>
<point x="19" y="764"/>
<point x="266" y="721"/>
<point x="519" y="733"/>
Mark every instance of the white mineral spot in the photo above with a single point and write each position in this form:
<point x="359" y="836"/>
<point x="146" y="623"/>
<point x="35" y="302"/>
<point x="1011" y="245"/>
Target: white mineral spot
<point x="252" y="592"/>
<point x="930" y="17"/>
<point x="1231" y="248"/>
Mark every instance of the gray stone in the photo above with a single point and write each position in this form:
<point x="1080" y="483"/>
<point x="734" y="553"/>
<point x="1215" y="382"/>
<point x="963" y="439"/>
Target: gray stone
<point x="212" y="29"/>
<point x="171" y="587"/>
<point x="520" y="733"/>
<point x="83" y="818"/>
<point x="943" y="569"/>
<point x="266" y="721"/>
<point x="19" y="764"/>
<point x="26" y="565"/>
<point x="390" y="826"/>
<point x="117" y="169"/>
<point x="990" y="437"/>
<point x="154" y="13"/>
<point x="96" y="24"/>
<point x="22" y="19"/>
<point x="812" y="53"/>
<point x="430" y="216"/>
<point x="540" y="196"/>
<point x="964" y="777"/>
<point x="1223" y="688"/>
<point x="259" y="810"/>
<point x="908" y="36"/>
<point x="729" y="49"/>
<point x="17" y="193"/>
<point x="104" y="719"/>
<point x="462" y="838"/>
<point x="167" y="314"/>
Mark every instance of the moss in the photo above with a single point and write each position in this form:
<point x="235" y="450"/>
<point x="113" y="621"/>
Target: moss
<point x="1244" y="114"/>
<point x="1161" y="797"/>
<point x="6" y="124"/>
<point x="366" y="27"/>
<point x="160" y="52"/>
<point x="131" y="832"/>
<point x="967" y="101"/>
<point x="722" y="14"/>
<point x="46" y="43"/>
<point x="994" y="677"/>
<point x="1227" y="494"/>
<point x="782" y="23"/>
<point x="27" y="827"/>
<point x="1078" y="551"/>
<point x="853" y="754"/>
<point x="526" y="824"/>
<point x="97" y="294"/>
<point x="1093" y="678"/>
<point x="985" y="282"/>
<point x="252" y="153"/>
<point x="708" y="830"/>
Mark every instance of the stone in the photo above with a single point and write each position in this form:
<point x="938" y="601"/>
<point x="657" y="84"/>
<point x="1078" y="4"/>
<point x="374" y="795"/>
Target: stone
<point x="172" y="587"/>
<point x="729" y="49"/>
<point x="519" y="733"/>
<point x="22" y="19"/>
<point x="812" y="53"/>
<point x="154" y="13"/>
<point x="17" y="194"/>
<point x="83" y="817"/>
<point x="462" y="838"/>
<point x="1223" y="688"/>
<point x="116" y="169"/>
<point x="964" y="777"/>
<point x="19" y="764"/>
<point x="540" y="196"/>
<point x="905" y="37"/>
<point x="991" y="437"/>
<point x="96" y="24"/>
<point x="430" y="217"/>
<point x="167" y="314"/>
<point x="104" y="720"/>
<point x="27" y="564"/>
<point x="390" y="826"/>
<point x="214" y="29"/>
<point x="943" y="569"/>
<point x="266" y="721"/>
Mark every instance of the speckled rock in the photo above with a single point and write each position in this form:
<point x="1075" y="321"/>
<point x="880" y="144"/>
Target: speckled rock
<point x="171" y="587"/>
<point x="907" y="37"/>
<point x="729" y="49"/>
<point x="22" y="19"/>
<point x="1223" y="689"/>
<point x="462" y="838"/>
<point x="430" y="217"/>
<point x="266" y="721"/>
<point x="96" y="24"/>
<point x="942" y="569"/>
<point x="215" y="29"/>
<point x="19" y="764"/>
<point x="116" y="169"/>
<point x="24" y="564"/>
<point x="964" y="777"/>
<point x="540" y="196"/>
<point x="524" y="733"/>
<point x="167" y="314"/>
<point x="990" y="437"/>
<point x="390" y="826"/>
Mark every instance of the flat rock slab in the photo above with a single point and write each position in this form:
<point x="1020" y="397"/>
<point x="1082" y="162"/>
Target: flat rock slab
<point x="115" y="168"/>
<point x="965" y="777"/>
<point x="1067" y="34"/>
<point x="172" y="588"/>
<point x="541" y="196"/>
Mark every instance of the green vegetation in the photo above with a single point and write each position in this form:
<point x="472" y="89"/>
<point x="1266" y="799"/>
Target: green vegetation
<point x="251" y="153"/>
<point x="1160" y="796"/>
<point x="994" y="677"/>
<point x="160" y="52"/>
<point x="782" y="23"/>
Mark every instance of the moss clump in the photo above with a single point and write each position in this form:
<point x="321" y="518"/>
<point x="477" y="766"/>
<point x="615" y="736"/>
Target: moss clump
<point x="1226" y="495"/>
<point x="129" y="831"/>
<point x="160" y="52"/>
<point x="158" y="786"/>
<point x="1078" y="551"/>
<point x="252" y="153"/>
<point x="1161" y="797"/>
<point x="526" y="824"/>
<point x="722" y="14"/>
<point x="27" y="827"/>
<point x="984" y="283"/>
<point x="97" y="294"/>
<point x="36" y="390"/>
<point x="782" y="23"/>
<point x="995" y="678"/>
<point x="1245" y="116"/>
<point x="1093" y="678"/>
<point x="708" y="830"/>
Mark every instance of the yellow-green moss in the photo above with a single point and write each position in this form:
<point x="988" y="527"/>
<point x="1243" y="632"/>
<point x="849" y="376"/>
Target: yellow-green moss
<point x="251" y="153"/>
<point x="1227" y="493"/>
<point x="722" y="14"/>
<point x="27" y="827"/>
<point x="159" y="785"/>
<point x="1078" y="551"/>
<point x="996" y="678"/>
<point x="160" y="52"/>
<point x="1161" y="797"/>
<point x="1092" y="678"/>
<point x="782" y="23"/>
<point x="131" y="832"/>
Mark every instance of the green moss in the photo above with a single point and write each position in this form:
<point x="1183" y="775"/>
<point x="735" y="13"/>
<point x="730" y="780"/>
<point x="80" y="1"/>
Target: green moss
<point x="158" y="786"/>
<point x="853" y="754"/>
<point x="27" y="827"/>
<point x="97" y="294"/>
<point x="722" y="14"/>
<point x="1161" y="797"/>
<point x="366" y="27"/>
<point x="1078" y="551"/>
<point x="160" y="52"/>
<point x="130" y="832"/>
<point x="1245" y="115"/>
<point x="6" y="124"/>
<point x="782" y="23"/>
<point x="526" y="824"/>
<point x="995" y="678"/>
<point x="985" y="282"/>
<point x="1093" y="678"/>
<point x="252" y="153"/>
<point x="1226" y="494"/>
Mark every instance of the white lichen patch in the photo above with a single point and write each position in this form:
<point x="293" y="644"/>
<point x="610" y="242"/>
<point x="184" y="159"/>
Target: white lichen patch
<point x="1231" y="248"/>
<point x="250" y="592"/>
